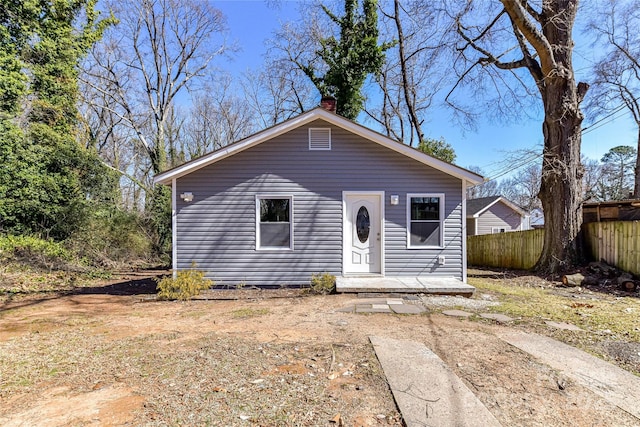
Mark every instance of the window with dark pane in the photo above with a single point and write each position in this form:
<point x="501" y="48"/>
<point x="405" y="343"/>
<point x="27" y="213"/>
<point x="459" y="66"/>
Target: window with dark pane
<point x="274" y="210"/>
<point x="275" y="226"/>
<point x="425" y="222"/>
<point x="425" y="208"/>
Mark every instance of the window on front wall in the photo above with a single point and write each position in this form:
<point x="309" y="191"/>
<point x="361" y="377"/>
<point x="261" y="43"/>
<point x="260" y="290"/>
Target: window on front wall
<point x="496" y="230"/>
<point x="425" y="220"/>
<point x="274" y="222"/>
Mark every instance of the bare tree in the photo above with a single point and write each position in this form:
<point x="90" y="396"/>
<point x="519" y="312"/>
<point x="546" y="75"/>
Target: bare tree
<point x="278" y="92"/>
<point x="616" y="83"/>
<point x="523" y="187"/>
<point x="283" y="89"/>
<point x="412" y="74"/>
<point x="157" y="53"/>
<point x="592" y="179"/>
<point x="532" y="42"/>
<point x="486" y="189"/>
<point x="217" y="118"/>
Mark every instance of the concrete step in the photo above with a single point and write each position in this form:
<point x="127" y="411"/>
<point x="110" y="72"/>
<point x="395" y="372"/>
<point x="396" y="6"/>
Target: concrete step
<point x="425" y="285"/>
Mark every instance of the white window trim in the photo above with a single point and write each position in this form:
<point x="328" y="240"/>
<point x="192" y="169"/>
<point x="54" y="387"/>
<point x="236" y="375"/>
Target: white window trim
<point x="322" y="148"/>
<point x="496" y="230"/>
<point x="257" y="222"/>
<point x="439" y="195"/>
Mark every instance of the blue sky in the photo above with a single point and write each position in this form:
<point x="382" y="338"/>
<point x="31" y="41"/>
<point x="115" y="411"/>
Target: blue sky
<point x="251" y="22"/>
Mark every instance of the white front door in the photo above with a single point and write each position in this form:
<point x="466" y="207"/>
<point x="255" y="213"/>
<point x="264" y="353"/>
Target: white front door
<point x="362" y="233"/>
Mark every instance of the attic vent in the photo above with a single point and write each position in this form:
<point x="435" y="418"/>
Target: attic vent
<point x="319" y="138"/>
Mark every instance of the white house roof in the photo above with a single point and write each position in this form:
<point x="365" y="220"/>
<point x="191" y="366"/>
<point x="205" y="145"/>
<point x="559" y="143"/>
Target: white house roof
<point x="475" y="207"/>
<point x="303" y="119"/>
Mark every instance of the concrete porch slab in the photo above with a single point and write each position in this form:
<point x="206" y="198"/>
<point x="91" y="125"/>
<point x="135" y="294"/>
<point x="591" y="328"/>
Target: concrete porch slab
<point x="424" y="285"/>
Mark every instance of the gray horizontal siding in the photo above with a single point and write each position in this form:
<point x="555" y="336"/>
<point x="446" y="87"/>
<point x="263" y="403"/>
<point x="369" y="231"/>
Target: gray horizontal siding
<point x="499" y="215"/>
<point x="217" y="229"/>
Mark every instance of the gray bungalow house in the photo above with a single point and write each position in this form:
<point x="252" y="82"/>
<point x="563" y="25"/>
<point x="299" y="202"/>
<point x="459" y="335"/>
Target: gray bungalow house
<point x="318" y="193"/>
<point x="495" y="214"/>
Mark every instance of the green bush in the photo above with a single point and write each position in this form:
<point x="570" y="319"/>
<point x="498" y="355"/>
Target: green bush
<point x="322" y="284"/>
<point x="26" y="248"/>
<point x="186" y="284"/>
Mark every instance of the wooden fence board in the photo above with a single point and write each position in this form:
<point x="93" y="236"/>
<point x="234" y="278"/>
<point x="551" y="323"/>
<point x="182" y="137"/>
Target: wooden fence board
<point x="616" y="242"/>
<point x="519" y="249"/>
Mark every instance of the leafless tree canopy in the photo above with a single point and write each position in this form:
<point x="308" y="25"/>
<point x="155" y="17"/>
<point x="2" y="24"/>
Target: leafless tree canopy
<point x="133" y="80"/>
<point x="616" y="75"/>
<point x="414" y="71"/>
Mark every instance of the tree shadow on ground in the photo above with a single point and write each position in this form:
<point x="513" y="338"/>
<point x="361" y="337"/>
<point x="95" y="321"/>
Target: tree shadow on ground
<point x="143" y="284"/>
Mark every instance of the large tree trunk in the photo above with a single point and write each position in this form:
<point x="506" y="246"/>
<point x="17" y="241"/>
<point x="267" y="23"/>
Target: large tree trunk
<point x="561" y="183"/>
<point x="636" y="180"/>
<point x="561" y="189"/>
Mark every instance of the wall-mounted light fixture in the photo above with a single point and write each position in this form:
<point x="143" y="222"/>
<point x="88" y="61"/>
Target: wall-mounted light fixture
<point x="395" y="199"/>
<point x="187" y="197"/>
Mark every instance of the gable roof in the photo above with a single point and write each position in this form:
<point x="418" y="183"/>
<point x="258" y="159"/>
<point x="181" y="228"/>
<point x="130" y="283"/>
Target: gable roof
<point x="475" y="207"/>
<point x="301" y="120"/>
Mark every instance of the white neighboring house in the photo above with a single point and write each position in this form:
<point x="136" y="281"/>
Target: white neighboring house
<point x="495" y="214"/>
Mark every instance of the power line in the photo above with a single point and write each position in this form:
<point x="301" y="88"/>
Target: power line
<point x="599" y="125"/>
<point x="595" y="124"/>
<point x="592" y="127"/>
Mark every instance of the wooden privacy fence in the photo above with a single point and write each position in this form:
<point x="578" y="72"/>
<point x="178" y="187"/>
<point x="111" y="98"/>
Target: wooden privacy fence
<point x="518" y="249"/>
<point x="616" y="242"/>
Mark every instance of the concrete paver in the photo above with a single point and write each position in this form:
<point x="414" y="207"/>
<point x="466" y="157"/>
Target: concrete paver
<point x="427" y="392"/>
<point x="563" y="325"/>
<point x="368" y="308"/>
<point x="500" y="318"/>
<point x="456" y="313"/>
<point x="407" y="309"/>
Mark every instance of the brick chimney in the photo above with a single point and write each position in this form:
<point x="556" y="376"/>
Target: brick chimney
<point x="328" y="103"/>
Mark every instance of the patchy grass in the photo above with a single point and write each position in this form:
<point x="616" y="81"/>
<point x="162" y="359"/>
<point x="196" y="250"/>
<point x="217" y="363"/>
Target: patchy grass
<point x="208" y="380"/>
<point x="619" y="315"/>
<point x="244" y="313"/>
<point x="610" y="323"/>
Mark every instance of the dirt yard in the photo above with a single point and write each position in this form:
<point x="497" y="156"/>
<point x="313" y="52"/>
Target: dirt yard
<point x="112" y="355"/>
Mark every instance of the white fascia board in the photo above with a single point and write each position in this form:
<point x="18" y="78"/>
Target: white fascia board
<point x="503" y="200"/>
<point x="339" y="121"/>
<point x="483" y="210"/>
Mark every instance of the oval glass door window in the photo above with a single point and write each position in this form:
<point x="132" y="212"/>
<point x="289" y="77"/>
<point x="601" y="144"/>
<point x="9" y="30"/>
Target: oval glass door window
<point x="363" y="224"/>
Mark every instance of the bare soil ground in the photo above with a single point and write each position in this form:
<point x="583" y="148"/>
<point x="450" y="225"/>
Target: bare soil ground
<point x="110" y="354"/>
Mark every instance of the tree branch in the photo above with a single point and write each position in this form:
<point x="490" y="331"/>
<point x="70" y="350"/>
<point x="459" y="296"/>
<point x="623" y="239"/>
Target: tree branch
<point x="516" y="12"/>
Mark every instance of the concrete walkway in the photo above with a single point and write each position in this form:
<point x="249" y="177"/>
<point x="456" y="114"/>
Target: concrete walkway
<point x="426" y="391"/>
<point x="606" y="380"/>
